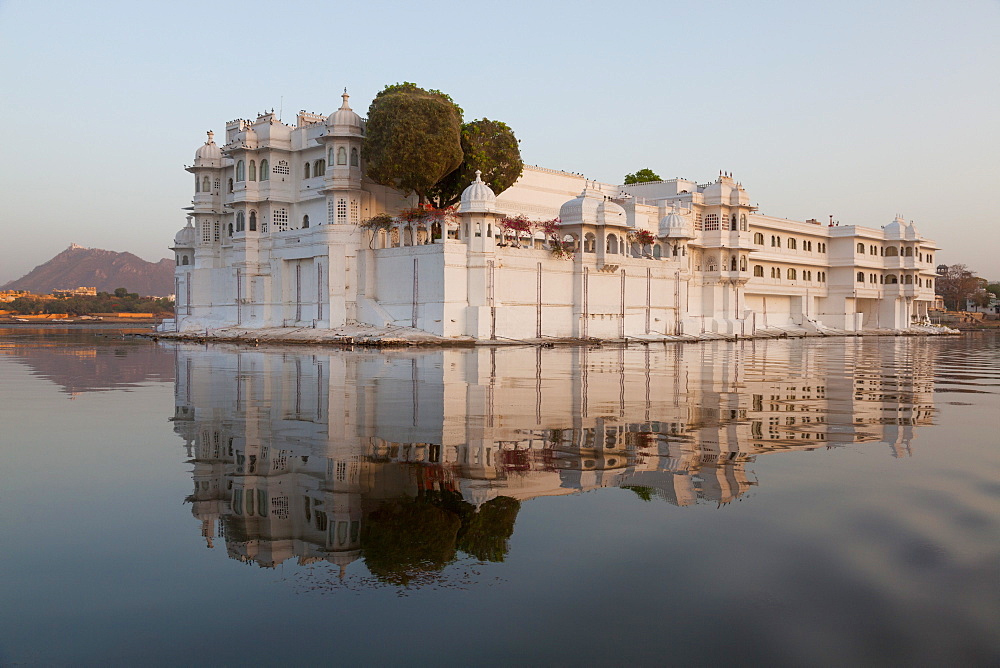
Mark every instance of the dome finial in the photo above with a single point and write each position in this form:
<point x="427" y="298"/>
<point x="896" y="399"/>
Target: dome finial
<point x="479" y="176"/>
<point x="211" y="136"/>
<point x="345" y="96"/>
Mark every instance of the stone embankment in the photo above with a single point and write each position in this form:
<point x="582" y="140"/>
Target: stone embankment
<point x="397" y="337"/>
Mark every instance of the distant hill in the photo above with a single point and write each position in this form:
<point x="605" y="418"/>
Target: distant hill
<point x="105" y="270"/>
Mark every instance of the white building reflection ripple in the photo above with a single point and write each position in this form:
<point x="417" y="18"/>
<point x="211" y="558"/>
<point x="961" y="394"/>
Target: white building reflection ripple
<point x="407" y="458"/>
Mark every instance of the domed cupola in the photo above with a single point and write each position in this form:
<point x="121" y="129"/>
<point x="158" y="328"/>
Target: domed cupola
<point x="582" y="209"/>
<point x="610" y="213"/>
<point x="478" y="197"/>
<point x="896" y="229"/>
<point x="208" y="155"/>
<point x="674" y="225"/>
<point x="186" y="236"/>
<point x="344" y="122"/>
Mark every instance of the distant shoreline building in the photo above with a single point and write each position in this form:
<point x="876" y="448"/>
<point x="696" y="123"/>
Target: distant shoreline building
<point x="273" y="240"/>
<point x="76" y="292"/>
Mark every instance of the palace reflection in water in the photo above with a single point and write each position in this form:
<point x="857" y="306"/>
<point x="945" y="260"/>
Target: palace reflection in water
<point x="405" y="458"/>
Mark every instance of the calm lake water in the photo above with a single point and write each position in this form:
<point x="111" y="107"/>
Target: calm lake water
<point x="783" y="502"/>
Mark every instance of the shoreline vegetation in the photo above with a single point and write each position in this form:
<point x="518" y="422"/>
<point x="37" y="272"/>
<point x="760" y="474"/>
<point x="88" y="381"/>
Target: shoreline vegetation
<point x="120" y="304"/>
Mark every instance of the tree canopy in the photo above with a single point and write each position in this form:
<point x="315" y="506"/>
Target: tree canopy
<point x="415" y="141"/>
<point x="956" y="285"/>
<point x="487" y="146"/>
<point x="412" y="139"/>
<point x="644" y="175"/>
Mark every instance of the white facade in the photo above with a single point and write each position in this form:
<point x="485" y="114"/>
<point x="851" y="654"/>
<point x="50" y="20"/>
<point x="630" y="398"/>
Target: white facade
<point x="273" y="241"/>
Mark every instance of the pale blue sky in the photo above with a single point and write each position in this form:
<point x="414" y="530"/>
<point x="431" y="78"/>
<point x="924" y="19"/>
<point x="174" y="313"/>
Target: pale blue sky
<point x="856" y="109"/>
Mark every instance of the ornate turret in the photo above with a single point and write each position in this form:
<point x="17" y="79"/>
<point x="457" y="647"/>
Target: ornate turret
<point x="674" y="225"/>
<point x="478" y="197"/>
<point x="582" y="209"/>
<point x="344" y="122"/>
<point x="186" y="237"/>
<point x="208" y="155"/>
<point x="897" y="229"/>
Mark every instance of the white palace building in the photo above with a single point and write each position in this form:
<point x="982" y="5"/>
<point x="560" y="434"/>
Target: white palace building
<point x="273" y="240"/>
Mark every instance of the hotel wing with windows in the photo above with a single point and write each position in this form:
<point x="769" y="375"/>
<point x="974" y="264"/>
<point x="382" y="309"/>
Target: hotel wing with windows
<point x="273" y="240"/>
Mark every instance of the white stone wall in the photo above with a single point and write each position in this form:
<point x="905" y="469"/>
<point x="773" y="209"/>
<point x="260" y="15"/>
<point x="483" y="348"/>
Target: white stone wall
<point x="286" y="275"/>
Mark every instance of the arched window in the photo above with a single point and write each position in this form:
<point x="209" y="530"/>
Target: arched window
<point x="891" y="251"/>
<point x="861" y="249"/>
<point x="355" y="162"/>
<point x="732" y="223"/>
<point x="793" y="244"/>
<point x="253" y="170"/>
<point x="589" y="243"/>
<point x="861" y="277"/>
<point x="743" y="263"/>
<point x="305" y="171"/>
<point x="909" y="280"/>
<point x="891" y="279"/>
<point x="732" y="263"/>
<point x="230" y="185"/>
<point x="758" y="238"/>
<point x="240" y="222"/>
<point x="658" y="252"/>
<point x="265" y="170"/>
<point x="341" y="156"/>
<point x="881" y="279"/>
<point x="319" y="168"/>
<point x="329" y="155"/>
<point x="205" y="186"/>
<point x="184" y="259"/>
<point x="871" y="278"/>
<point x="253" y="221"/>
<point x="230" y="229"/>
<point x="908" y="252"/>
<point x="791" y="274"/>
<point x="743" y="222"/>
<point x="197" y="184"/>
<point x="612" y="245"/>
<point x="240" y="173"/>
<point x="305" y="222"/>
<point x="758" y="271"/>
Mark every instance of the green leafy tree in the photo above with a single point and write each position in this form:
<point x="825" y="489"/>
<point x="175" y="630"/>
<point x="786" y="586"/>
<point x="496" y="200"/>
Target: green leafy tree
<point x="644" y="175"/>
<point x="408" y="539"/>
<point x="485" y="533"/>
<point x="412" y="139"/>
<point x="121" y="293"/>
<point x="643" y="492"/>
<point x="994" y="289"/>
<point x="489" y="147"/>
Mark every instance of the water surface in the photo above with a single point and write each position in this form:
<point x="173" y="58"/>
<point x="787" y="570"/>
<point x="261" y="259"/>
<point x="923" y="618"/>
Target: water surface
<point x="818" y="501"/>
